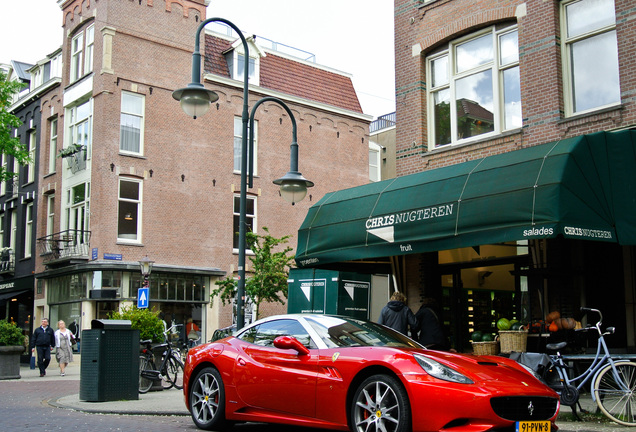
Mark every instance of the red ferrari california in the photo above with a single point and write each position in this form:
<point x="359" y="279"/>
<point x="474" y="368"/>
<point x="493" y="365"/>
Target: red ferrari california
<point x="341" y="373"/>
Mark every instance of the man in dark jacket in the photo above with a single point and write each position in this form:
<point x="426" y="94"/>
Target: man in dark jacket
<point x="431" y="331"/>
<point x="397" y="315"/>
<point x="43" y="340"/>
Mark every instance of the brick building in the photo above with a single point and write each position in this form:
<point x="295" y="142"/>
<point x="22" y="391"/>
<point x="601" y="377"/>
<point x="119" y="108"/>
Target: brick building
<point x="129" y="175"/>
<point x="515" y="159"/>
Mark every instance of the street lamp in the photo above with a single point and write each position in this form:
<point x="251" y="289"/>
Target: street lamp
<point x="146" y="267"/>
<point x="195" y="101"/>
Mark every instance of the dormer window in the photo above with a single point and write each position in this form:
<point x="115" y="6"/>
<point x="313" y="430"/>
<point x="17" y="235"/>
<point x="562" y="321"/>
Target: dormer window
<point x="235" y="58"/>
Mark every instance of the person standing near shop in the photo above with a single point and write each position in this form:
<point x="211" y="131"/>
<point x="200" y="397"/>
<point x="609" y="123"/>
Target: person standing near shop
<point x="397" y="315"/>
<point x="63" y="343"/>
<point x="43" y="341"/>
<point x="431" y="332"/>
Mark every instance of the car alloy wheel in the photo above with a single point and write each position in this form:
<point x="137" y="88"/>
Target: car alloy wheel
<point x="207" y="400"/>
<point x="380" y="404"/>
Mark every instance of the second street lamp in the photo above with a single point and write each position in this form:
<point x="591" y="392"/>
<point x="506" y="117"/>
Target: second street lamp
<point x="195" y="100"/>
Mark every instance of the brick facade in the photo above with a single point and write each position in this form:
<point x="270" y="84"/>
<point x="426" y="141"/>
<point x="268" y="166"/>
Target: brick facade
<point x="186" y="167"/>
<point x="420" y="29"/>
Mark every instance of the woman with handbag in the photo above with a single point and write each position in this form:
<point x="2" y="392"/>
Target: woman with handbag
<point x="64" y="340"/>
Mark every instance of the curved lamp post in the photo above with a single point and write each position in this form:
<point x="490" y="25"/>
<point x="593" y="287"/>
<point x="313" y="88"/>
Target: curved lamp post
<point x="195" y="101"/>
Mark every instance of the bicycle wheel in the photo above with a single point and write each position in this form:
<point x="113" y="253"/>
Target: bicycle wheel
<point x="616" y="397"/>
<point x="174" y="371"/>
<point x="145" y="364"/>
<point x="166" y="379"/>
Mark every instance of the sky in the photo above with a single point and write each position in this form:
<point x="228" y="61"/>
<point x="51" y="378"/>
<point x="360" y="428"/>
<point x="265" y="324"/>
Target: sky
<point x="352" y="36"/>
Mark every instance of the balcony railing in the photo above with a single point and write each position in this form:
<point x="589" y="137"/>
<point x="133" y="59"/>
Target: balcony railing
<point x="65" y="246"/>
<point x="382" y="122"/>
<point x="7" y="261"/>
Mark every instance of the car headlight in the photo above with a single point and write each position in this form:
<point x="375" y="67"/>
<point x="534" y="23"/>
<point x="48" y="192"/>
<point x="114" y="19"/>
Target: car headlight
<point x="531" y="371"/>
<point x="441" y="371"/>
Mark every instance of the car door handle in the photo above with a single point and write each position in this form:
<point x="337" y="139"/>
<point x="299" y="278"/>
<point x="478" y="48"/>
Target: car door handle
<point x="241" y="362"/>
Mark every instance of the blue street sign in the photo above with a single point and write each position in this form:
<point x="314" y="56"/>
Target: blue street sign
<point x="142" y="298"/>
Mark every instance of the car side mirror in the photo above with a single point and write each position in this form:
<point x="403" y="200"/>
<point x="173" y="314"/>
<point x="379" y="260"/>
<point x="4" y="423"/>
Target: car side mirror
<point x="288" y="342"/>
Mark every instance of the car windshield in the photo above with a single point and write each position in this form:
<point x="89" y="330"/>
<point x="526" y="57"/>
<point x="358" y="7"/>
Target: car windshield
<point x="348" y="332"/>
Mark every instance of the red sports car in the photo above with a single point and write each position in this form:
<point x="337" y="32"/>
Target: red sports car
<point x="341" y="373"/>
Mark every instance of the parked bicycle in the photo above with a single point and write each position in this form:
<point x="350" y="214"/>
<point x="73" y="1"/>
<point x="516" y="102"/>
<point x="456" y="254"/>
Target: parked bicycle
<point x="170" y="371"/>
<point x="613" y="381"/>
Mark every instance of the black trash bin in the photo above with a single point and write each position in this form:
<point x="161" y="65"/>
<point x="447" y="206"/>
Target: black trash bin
<point x="110" y="362"/>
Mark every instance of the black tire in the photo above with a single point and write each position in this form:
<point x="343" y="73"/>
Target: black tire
<point x="380" y="403"/>
<point x="617" y="399"/>
<point x="207" y="400"/>
<point x="174" y="371"/>
<point x="145" y="364"/>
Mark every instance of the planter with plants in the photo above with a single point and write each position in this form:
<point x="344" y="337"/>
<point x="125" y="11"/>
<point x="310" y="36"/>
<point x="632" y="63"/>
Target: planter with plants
<point x="11" y="346"/>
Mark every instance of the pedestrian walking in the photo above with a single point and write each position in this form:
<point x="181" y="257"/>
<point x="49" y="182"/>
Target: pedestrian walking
<point x="43" y="341"/>
<point x="64" y="343"/>
<point x="397" y="315"/>
<point x="431" y="332"/>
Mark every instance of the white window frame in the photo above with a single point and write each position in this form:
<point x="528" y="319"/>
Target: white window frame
<point x="121" y="211"/>
<point x="140" y="115"/>
<point x="32" y="148"/>
<point x="14" y="229"/>
<point x="88" y="52"/>
<point x="375" y="161"/>
<point x="77" y="63"/>
<point x="238" y="142"/>
<point x="82" y="125"/>
<point x="28" y="229"/>
<point x="236" y="72"/>
<point x="78" y="212"/>
<point x="236" y="213"/>
<point x="50" y="214"/>
<point x="53" y="125"/>
<point x="5" y="165"/>
<point x="568" y="68"/>
<point x="1" y="229"/>
<point x="453" y="76"/>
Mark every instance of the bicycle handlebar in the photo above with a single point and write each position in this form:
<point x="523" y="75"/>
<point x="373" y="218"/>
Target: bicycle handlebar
<point x="600" y="315"/>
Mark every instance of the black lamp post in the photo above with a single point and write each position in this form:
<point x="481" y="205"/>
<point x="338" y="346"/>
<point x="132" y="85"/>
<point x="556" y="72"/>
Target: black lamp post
<point x="195" y="101"/>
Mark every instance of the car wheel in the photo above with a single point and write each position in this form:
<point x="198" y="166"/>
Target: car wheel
<point x="381" y="404"/>
<point x="207" y="400"/>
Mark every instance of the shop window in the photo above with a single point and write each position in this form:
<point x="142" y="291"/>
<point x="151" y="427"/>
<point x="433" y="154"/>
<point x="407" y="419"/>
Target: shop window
<point x="590" y="55"/>
<point x="475" y="87"/>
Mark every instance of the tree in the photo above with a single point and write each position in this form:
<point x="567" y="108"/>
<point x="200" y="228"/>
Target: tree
<point x="10" y="145"/>
<point x="268" y="281"/>
<point x="146" y="321"/>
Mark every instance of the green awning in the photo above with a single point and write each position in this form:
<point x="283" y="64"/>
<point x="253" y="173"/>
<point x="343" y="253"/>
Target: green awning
<point x="581" y="188"/>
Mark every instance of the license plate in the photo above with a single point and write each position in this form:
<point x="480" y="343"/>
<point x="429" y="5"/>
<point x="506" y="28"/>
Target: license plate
<point x="533" y="426"/>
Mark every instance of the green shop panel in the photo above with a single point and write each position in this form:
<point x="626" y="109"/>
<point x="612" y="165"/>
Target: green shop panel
<point x="329" y="292"/>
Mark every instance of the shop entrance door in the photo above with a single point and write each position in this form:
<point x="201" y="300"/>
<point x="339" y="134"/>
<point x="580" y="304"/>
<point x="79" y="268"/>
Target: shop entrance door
<point x="453" y="307"/>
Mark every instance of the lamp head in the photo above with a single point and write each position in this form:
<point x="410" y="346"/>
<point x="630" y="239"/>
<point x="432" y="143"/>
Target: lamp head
<point x="146" y="265"/>
<point x="195" y="99"/>
<point x="293" y="186"/>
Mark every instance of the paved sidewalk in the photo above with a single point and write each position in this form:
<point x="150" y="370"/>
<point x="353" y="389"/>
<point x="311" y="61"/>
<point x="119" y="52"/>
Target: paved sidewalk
<point x="170" y="402"/>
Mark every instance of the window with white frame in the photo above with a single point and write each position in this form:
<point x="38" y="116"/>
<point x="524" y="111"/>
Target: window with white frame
<point x="78" y="212"/>
<point x="77" y="49"/>
<point x="1" y="229"/>
<point x="13" y="217"/>
<point x="236" y="65"/>
<point x="88" y="55"/>
<point x="132" y="123"/>
<point x="14" y="185"/>
<point x="52" y="144"/>
<point x="28" y="230"/>
<point x="474" y="87"/>
<point x="590" y="55"/>
<point x="238" y="143"/>
<point x="129" y="212"/>
<point x="80" y="125"/>
<point x="30" y="167"/>
<point x="5" y="166"/>
<point x="375" y="158"/>
<point x="50" y="214"/>
<point x="250" y="216"/>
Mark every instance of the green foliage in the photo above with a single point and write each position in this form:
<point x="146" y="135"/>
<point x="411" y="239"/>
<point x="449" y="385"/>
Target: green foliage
<point x="271" y="270"/>
<point x="145" y="320"/>
<point x="10" y="334"/>
<point x="10" y="145"/>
